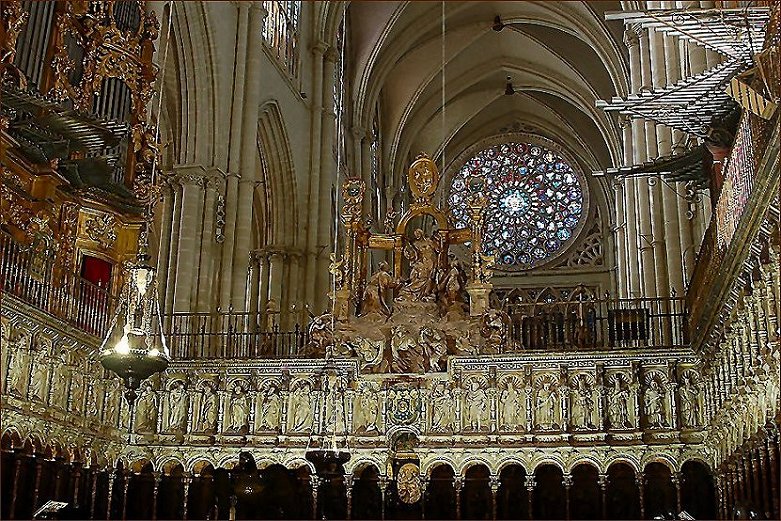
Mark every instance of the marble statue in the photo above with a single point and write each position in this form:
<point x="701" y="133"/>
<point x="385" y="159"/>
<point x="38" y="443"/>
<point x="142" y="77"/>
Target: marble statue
<point x="374" y="296"/>
<point x="207" y="417"/>
<point x="238" y="410"/>
<point x="654" y="405"/>
<point x="77" y="392"/>
<point x="365" y="411"/>
<point x="301" y="408"/>
<point x="39" y="376"/>
<point x="443" y="417"/>
<point x="422" y="253"/>
<point x="270" y="410"/>
<point x="60" y="382"/>
<point x="17" y="374"/>
<point x="476" y="407"/>
<point x="546" y="407"/>
<point x="582" y="405"/>
<point x="618" y="407"/>
<point x="146" y="411"/>
<point x="690" y="405"/>
<point x="177" y="408"/>
<point x="511" y="407"/>
<point x="110" y="412"/>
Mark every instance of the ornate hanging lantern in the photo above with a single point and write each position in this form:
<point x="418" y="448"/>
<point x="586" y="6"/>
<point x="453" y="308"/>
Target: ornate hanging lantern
<point x="132" y="349"/>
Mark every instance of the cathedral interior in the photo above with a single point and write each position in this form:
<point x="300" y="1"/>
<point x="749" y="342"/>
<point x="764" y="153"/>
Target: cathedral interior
<point x="390" y="260"/>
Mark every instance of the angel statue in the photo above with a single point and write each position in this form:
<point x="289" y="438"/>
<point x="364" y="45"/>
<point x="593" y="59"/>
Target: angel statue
<point x="335" y="268"/>
<point x="422" y="254"/>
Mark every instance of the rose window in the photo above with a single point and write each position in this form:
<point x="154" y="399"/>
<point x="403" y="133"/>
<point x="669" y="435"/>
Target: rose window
<point x="534" y="202"/>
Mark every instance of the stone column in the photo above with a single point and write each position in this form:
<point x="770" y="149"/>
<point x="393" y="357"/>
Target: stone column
<point x="640" y="481"/>
<point x="76" y="475"/>
<point x="187" y="479"/>
<point x="314" y="482"/>
<point x="164" y="247"/>
<point x="494" y="483"/>
<point x="313" y="192"/>
<point x="458" y="485"/>
<point x="602" y="481"/>
<point x="423" y="492"/>
<point x="15" y="486"/>
<point x="530" y="484"/>
<point x="630" y="185"/>
<point x="348" y="484"/>
<point x="173" y="246"/>
<point x="235" y="153"/>
<point x="206" y="300"/>
<point x="125" y="484"/>
<point x="567" y="482"/>
<point x="158" y="477"/>
<point x="37" y="481"/>
<point x="383" y="490"/>
<point x="189" y="224"/>
<point x="328" y="175"/>
<point x="676" y="477"/>
<point x="771" y="435"/>
<point x="764" y="479"/>
<point x="249" y="157"/>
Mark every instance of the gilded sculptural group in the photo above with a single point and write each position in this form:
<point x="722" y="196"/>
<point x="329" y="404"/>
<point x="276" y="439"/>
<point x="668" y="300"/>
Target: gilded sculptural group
<point x="419" y="304"/>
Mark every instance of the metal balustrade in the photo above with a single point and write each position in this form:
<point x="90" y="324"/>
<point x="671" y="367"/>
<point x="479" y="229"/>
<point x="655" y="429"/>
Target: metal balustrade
<point x="230" y="335"/>
<point x="588" y="324"/>
<point x="35" y="279"/>
<point x="607" y="323"/>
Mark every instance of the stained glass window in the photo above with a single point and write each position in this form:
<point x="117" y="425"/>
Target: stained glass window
<point x="534" y="207"/>
<point x="280" y="32"/>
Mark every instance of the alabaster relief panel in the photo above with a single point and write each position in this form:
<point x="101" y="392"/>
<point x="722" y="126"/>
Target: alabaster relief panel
<point x="512" y="409"/>
<point x="49" y="375"/>
<point x="622" y="401"/>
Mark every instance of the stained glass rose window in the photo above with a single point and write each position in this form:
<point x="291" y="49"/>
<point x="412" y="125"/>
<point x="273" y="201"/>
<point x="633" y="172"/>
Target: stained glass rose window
<point x="535" y="202"/>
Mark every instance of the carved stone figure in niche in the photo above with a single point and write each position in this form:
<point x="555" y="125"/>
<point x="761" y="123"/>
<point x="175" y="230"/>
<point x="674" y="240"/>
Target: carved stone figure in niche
<point x="546" y="407"/>
<point x="207" y="416"/>
<point x="375" y="295"/>
<point x="110" y="413"/>
<point x="406" y="354"/>
<point x="422" y="254"/>
<point x="146" y="411"/>
<point x="655" y="410"/>
<point x="443" y="416"/>
<point x="582" y="405"/>
<point x="493" y="327"/>
<point x="93" y="401"/>
<point x="334" y="405"/>
<point x="690" y="404"/>
<point x="177" y="408"/>
<point x="238" y="410"/>
<point x="433" y="346"/>
<point x="301" y="401"/>
<point x="511" y="407"/>
<point x="365" y="411"/>
<point x="77" y="392"/>
<point x="39" y="378"/>
<point x="270" y="410"/>
<point x="60" y="381"/>
<point x="18" y="372"/>
<point x="476" y="407"/>
<point x="618" y="406"/>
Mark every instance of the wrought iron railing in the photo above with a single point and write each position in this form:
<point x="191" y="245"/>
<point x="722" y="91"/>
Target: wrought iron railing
<point x="230" y="335"/>
<point x="33" y="278"/>
<point x="607" y="323"/>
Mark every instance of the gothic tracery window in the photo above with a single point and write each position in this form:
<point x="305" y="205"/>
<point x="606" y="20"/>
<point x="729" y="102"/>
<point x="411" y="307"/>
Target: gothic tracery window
<point x="280" y="32"/>
<point x="534" y="202"/>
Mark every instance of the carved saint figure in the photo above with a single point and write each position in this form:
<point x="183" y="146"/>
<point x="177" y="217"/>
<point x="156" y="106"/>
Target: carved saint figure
<point x="422" y="254"/>
<point x="546" y="407"/>
<point x="582" y="405"/>
<point x="18" y="369"/>
<point x="177" y="408"/>
<point x="146" y="411"/>
<point x="511" y="405"/>
<point x="110" y="413"/>
<point x="374" y="296"/>
<point x="238" y="412"/>
<point x="365" y="411"/>
<point x="270" y="410"/>
<point x="433" y="346"/>
<point x="690" y="405"/>
<point x="476" y="407"/>
<point x="443" y="414"/>
<point x="207" y="419"/>
<point x="39" y="377"/>
<point x="618" y="408"/>
<point x="300" y="418"/>
<point x="654" y="405"/>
